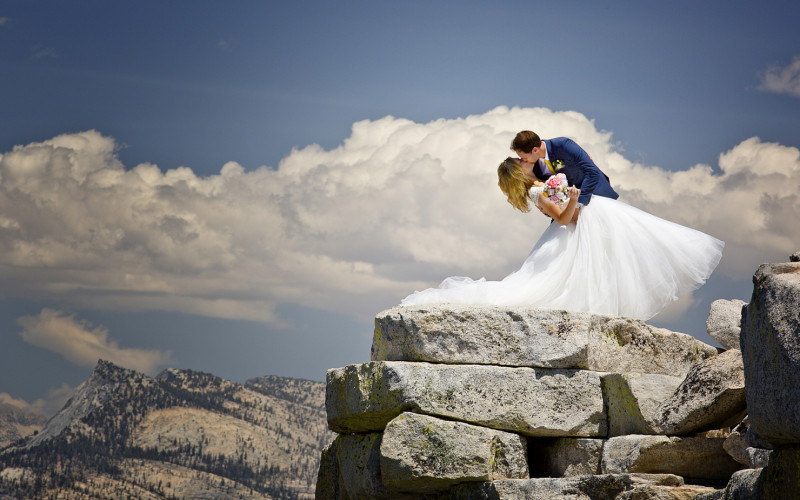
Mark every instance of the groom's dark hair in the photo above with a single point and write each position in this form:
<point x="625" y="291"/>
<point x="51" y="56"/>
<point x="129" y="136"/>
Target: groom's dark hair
<point x="525" y="141"/>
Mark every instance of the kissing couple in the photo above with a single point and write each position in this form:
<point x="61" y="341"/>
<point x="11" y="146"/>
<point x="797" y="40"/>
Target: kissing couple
<point x="599" y="255"/>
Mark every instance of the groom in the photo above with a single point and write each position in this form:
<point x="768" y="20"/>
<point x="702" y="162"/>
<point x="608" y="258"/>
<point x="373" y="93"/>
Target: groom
<point x="561" y="155"/>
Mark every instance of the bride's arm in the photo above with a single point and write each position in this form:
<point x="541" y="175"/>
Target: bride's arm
<point x="564" y="216"/>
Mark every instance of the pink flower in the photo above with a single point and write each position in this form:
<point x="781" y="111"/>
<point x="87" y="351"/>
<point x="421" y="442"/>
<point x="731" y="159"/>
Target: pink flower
<point x="555" y="189"/>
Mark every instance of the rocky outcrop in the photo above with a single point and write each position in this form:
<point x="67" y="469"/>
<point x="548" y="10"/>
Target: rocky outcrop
<point x="770" y="345"/>
<point x="711" y="397"/>
<point x="724" y="322"/>
<point x="364" y="398"/>
<point x="770" y="341"/>
<point x="538" y="338"/>
<point x="690" y="457"/>
<point x="485" y="402"/>
<point x="737" y="447"/>
<point x="779" y="479"/>
<point x="350" y="468"/>
<point x="742" y="486"/>
<point x="423" y="454"/>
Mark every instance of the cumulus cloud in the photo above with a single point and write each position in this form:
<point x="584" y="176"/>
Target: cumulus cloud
<point x="83" y="344"/>
<point x="6" y="398"/>
<point x="54" y="400"/>
<point x="782" y="79"/>
<point x="397" y="207"/>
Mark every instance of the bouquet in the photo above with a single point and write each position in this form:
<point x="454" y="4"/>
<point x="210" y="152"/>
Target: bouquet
<point x="555" y="189"/>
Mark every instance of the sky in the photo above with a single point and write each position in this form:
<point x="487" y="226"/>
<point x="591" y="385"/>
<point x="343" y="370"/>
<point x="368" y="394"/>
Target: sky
<point x="240" y="187"/>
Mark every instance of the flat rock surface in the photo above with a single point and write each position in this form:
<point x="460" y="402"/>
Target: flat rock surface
<point x="365" y="397"/>
<point x="692" y="457"/>
<point x="425" y="454"/>
<point x="529" y="337"/>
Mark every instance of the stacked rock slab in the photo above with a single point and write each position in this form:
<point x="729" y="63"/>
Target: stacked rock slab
<point x="770" y="343"/>
<point x="488" y="402"/>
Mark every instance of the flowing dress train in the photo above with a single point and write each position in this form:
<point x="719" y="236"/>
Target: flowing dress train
<point x="616" y="260"/>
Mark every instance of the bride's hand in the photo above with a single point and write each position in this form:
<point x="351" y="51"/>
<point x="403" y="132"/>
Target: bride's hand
<point x="573" y="192"/>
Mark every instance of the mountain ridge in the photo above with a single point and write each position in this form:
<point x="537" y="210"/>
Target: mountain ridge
<point x="174" y="435"/>
<point x="17" y="423"/>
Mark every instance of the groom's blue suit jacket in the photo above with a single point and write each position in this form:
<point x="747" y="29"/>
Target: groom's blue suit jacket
<point x="579" y="169"/>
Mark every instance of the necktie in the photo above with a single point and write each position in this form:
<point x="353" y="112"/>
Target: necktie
<point x="550" y="166"/>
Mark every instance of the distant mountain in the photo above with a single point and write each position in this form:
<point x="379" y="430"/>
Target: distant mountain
<point x="16" y="423"/>
<point x="303" y="392"/>
<point x="182" y="434"/>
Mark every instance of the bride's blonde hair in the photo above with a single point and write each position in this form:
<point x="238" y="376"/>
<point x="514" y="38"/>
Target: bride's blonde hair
<point x="515" y="183"/>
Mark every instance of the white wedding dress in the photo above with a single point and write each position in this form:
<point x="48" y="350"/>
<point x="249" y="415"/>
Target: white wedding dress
<point x="617" y="260"/>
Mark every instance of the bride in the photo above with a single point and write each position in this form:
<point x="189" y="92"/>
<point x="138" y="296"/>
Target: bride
<point x="614" y="260"/>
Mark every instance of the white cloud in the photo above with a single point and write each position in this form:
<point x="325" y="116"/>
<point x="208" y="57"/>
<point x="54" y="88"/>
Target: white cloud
<point x="83" y="344"/>
<point x="397" y="207"/>
<point x="47" y="406"/>
<point x="782" y="79"/>
<point x="6" y="398"/>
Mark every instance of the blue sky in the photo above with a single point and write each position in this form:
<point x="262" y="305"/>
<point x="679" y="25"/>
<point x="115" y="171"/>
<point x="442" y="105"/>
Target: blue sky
<point x="652" y="88"/>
